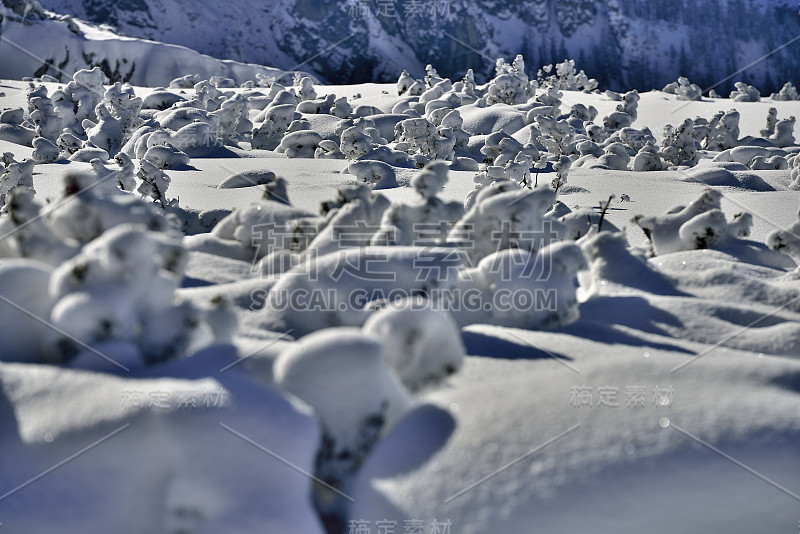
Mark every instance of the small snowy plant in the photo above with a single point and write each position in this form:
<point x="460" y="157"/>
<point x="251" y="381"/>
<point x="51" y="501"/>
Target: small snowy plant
<point x="787" y="92"/>
<point x="342" y="374"/>
<point x="684" y="89"/>
<point x="423" y="344"/>
<point x="679" y="146"/>
<point x="422" y="224"/>
<point x="154" y="182"/>
<point x="787" y="241"/>
<point x="745" y="93"/>
<point x="701" y="224"/>
<point x="510" y="84"/>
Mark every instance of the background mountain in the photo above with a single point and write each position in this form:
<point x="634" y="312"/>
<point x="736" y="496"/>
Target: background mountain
<point x="622" y="43"/>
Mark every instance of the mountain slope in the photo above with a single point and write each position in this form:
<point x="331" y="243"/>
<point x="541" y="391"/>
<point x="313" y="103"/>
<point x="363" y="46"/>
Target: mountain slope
<point x="622" y="43"/>
<point x="36" y="42"/>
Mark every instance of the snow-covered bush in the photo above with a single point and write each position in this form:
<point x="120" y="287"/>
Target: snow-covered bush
<point x="505" y="216"/>
<point x="277" y="119"/>
<point x="425" y="223"/>
<point x="684" y="89"/>
<point x="510" y="84"/>
<point x="745" y="93"/>
<point x="625" y="114"/>
<point x="423" y="344"/>
<point x="328" y="149"/>
<point x="566" y="77"/>
<point x="342" y="374"/>
<point x="302" y="144"/>
<point x="355" y="141"/>
<point x="701" y="224"/>
<point x="542" y="285"/>
<point x="121" y="287"/>
<point x="16" y="174"/>
<point x="558" y="136"/>
<point x="784" y="133"/>
<point x="788" y="241"/>
<point x="421" y="139"/>
<point x="679" y="147"/>
<point x="154" y="182"/>
<point x="772" y="120"/>
<point x="166" y="156"/>
<point x="787" y="92"/>
<point x="42" y="113"/>
<point x="376" y="174"/>
<point x="648" y="159"/>
<point x="44" y="151"/>
<point x="723" y="131"/>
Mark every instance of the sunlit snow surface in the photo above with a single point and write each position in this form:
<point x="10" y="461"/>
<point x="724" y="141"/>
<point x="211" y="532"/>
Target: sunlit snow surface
<point x="671" y="403"/>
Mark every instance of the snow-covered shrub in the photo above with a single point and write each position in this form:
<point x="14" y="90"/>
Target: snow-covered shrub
<point x="328" y="149"/>
<point x="301" y="144"/>
<point x="185" y="82"/>
<point x="550" y="97"/>
<point x="615" y="157"/>
<point x="611" y="262"/>
<point x="88" y="153"/>
<point x="648" y="159"/>
<point x="625" y="114"/>
<point x="261" y="228"/>
<point x="745" y="93"/>
<point x="16" y="174"/>
<point x="510" y="84"/>
<point x="774" y="163"/>
<point x="582" y="113"/>
<point x="679" y="147"/>
<point x="566" y="77"/>
<point x="277" y="119"/>
<point x="425" y="223"/>
<point x="788" y="241"/>
<point x="46" y="121"/>
<point x="421" y="139"/>
<point x="558" y="136"/>
<point x="13" y="116"/>
<point x="505" y="216"/>
<point x="795" y="173"/>
<point x="404" y="82"/>
<point x="166" y="157"/>
<point x="353" y="217"/>
<point x="124" y="106"/>
<point x="341" y="374"/>
<point x="121" y="287"/>
<point x="154" y="182"/>
<point x="701" y="224"/>
<point x="162" y="99"/>
<point x="772" y="120"/>
<point x="233" y="119"/>
<point x="44" y="151"/>
<point x="79" y="98"/>
<point x="423" y="344"/>
<point x="684" y="89"/>
<point x="542" y="283"/>
<point x="17" y="134"/>
<point x="376" y="174"/>
<point x="106" y="132"/>
<point x="723" y="131"/>
<point x="787" y="92"/>
<point x="784" y="133"/>
<point x="355" y="141"/>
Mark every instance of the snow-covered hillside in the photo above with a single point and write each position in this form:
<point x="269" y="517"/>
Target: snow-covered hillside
<point x="625" y="44"/>
<point x="432" y="305"/>
<point x="36" y="42"/>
